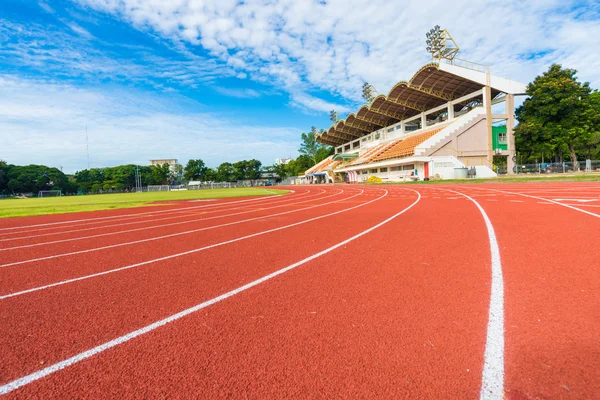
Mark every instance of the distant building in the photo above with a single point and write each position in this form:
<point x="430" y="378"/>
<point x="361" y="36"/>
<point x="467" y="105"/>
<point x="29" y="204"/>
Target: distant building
<point x="171" y="161"/>
<point x="282" y="161"/>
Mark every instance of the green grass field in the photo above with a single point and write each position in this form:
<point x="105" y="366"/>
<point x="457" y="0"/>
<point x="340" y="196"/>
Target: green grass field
<point x="69" y="204"/>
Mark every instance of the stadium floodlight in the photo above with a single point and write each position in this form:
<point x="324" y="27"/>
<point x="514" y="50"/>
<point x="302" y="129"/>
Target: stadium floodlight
<point x="333" y="116"/>
<point x="368" y="92"/>
<point x="440" y="44"/>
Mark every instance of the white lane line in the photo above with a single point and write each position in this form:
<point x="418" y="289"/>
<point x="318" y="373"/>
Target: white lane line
<point x="136" y="214"/>
<point x="111" y="246"/>
<point x="81" y="278"/>
<point x="9" y="387"/>
<point x="551" y="201"/>
<point x="186" y="214"/>
<point x="492" y="379"/>
<point x="577" y="200"/>
<point x="35" y="289"/>
<point x="516" y="201"/>
<point x="277" y="205"/>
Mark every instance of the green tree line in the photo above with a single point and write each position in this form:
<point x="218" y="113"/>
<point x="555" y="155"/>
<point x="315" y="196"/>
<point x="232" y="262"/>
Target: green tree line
<point x="196" y="170"/>
<point x="31" y="179"/>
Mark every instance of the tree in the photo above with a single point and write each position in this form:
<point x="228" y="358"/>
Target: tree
<point x="312" y="149"/>
<point x="559" y="115"/>
<point x="176" y="175"/>
<point x="224" y="172"/>
<point x="3" y="176"/>
<point x="253" y="169"/>
<point x="210" y="175"/>
<point x="280" y="169"/>
<point x="160" y="174"/>
<point x="195" y="170"/>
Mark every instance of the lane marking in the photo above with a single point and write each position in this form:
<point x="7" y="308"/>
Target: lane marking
<point x="111" y="246"/>
<point x="81" y="278"/>
<point x="492" y="379"/>
<point x="277" y="205"/>
<point x="551" y="201"/>
<point x="186" y="214"/>
<point x="9" y="387"/>
<point x="578" y="200"/>
<point x="516" y="201"/>
<point x="136" y="214"/>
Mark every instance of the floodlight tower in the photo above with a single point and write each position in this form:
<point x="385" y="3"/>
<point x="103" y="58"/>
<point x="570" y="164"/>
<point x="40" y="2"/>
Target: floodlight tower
<point x="368" y="93"/>
<point x="333" y="116"/>
<point x="440" y="44"/>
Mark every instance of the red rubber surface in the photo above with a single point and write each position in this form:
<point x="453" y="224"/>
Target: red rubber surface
<point x="400" y="312"/>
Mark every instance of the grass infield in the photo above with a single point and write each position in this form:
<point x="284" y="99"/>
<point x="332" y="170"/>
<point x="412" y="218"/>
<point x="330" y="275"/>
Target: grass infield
<point x="93" y="202"/>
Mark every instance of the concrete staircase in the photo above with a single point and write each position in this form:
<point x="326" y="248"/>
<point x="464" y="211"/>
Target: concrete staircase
<point x="438" y="139"/>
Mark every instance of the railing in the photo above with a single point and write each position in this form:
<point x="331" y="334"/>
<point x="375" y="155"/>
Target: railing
<point x="553" y="168"/>
<point x="467" y="64"/>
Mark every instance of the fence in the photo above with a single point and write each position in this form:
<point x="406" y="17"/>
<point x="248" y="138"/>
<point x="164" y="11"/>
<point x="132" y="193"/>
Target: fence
<point x="200" y="186"/>
<point x="554" y="168"/>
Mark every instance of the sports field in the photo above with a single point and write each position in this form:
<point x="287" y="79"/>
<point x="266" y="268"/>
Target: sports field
<point x="391" y="291"/>
<point x="93" y="202"/>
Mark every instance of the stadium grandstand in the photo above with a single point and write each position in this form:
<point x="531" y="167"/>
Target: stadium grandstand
<point x="439" y="124"/>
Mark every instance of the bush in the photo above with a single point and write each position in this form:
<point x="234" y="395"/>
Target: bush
<point x="374" y="179"/>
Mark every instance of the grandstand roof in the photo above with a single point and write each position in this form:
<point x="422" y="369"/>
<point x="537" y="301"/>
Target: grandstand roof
<point x="433" y="85"/>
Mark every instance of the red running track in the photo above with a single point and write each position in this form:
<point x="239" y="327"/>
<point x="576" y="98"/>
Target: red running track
<point x="340" y="292"/>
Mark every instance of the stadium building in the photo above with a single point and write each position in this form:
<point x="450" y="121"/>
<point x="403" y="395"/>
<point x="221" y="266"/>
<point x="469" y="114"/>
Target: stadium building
<point x="437" y="125"/>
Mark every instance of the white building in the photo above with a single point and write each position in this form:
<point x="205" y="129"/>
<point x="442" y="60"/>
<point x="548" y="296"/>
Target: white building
<point x="171" y="161"/>
<point x="282" y="161"/>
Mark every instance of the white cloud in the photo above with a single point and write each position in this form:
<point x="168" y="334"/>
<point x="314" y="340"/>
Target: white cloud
<point x="46" y="7"/>
<point x="303" y="100"/>
<point x="45" y="123"/>
<point x="55" y="52"/>
<point x="239" y="93"/>
<point x="339" y="44"/>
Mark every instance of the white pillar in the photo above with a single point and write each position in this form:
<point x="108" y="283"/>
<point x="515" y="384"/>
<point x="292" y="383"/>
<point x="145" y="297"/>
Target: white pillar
<point x="450" y="111"/>
<point x="402" y="127"/>
<point x="423" y="120"/>
<point x="510" y="133"/>
<point x="487" y="103"/>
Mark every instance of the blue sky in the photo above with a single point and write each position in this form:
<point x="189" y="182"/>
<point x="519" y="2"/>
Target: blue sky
<point x="227" y="80"/>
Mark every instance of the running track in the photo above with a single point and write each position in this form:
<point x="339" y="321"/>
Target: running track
<point x="445" y="291"/>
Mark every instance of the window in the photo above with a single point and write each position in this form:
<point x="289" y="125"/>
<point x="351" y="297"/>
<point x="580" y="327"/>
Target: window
<point x="502" y="138"/>
<point x="374" y="171"/>
<point x="347" y="147"/>
<point x="355" y="144"/>
<point x="408" y="167"/>
<point x="396" y="168"/>
<point x="382" y="169"/>
<point x="391" y="130"/>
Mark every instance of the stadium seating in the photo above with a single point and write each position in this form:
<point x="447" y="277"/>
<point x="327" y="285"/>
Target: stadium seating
<point x="405" y="147"/>
<point x="321" y="166"/>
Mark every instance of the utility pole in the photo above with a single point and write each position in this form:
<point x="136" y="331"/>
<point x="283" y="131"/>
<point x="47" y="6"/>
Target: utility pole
<point x="87" y="148"/>
<point x="138" y="179"/>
